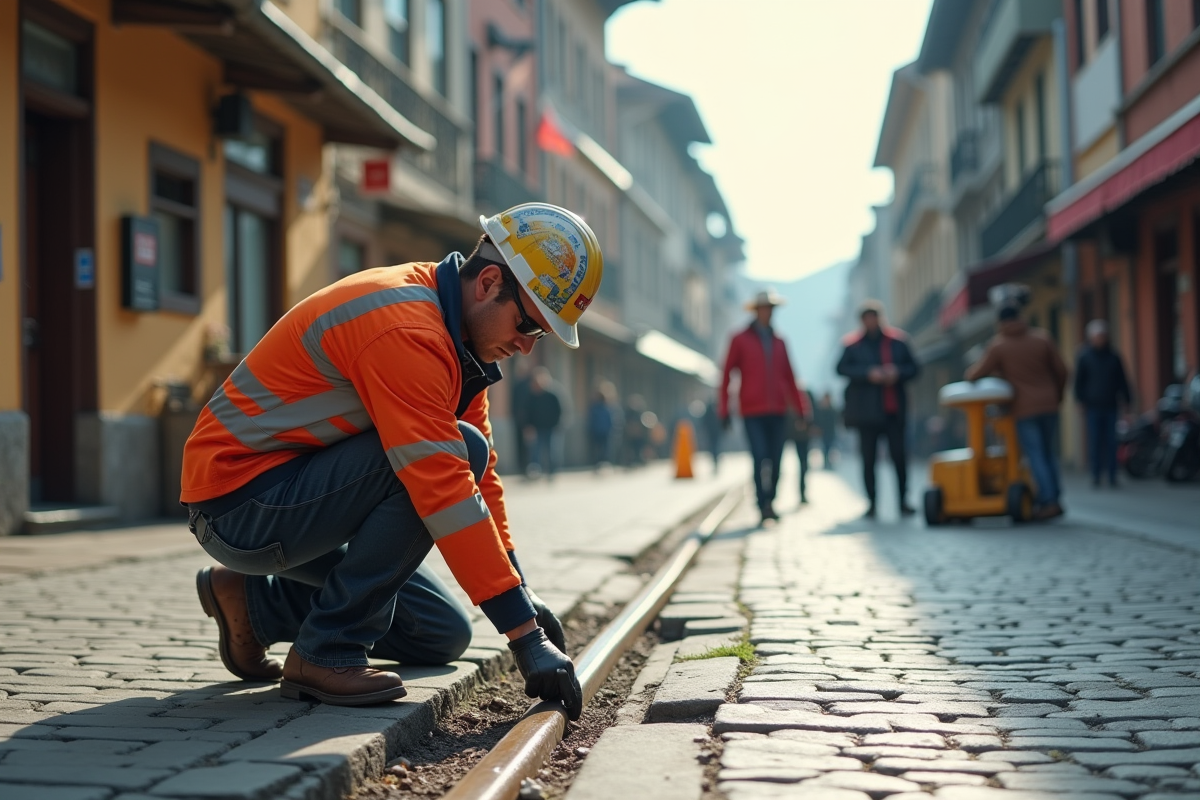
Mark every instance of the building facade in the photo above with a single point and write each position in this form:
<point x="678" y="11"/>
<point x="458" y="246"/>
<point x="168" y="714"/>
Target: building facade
<point x="158" y="223"/>
<point x="1134" y="214"/>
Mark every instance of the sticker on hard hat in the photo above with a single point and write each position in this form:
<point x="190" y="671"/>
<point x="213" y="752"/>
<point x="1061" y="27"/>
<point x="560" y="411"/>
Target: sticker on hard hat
<point x="557" y="238"/>
<point x="582" y="302"/>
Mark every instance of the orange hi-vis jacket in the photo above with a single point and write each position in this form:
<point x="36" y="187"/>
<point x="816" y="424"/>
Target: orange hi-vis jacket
<point x="381" y="348"/>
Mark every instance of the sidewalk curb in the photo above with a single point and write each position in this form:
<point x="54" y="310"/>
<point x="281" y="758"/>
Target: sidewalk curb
<point x="375" y="740"/>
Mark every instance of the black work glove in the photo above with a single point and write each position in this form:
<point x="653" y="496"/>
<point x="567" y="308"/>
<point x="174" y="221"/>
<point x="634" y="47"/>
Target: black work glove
<point x="548" y="673"/>
<point x="547" y="621"/>
<point x="726" y="423"/>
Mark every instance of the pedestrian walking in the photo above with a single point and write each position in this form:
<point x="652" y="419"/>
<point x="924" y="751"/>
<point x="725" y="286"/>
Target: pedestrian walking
<point x="352" y="439"/>
<point x="879" y="364"/>
<point x="636" y="434"/>
<point x="545" y="415"/>
<point x="519" y="400"/>
<point x="603" y="425"/>
<point x="799" y="430"/>
<point x="1102" y="389"/>
<point x="768" y="390"/>
<point x="1028" y="359"/>
<point x="825" y="420"/>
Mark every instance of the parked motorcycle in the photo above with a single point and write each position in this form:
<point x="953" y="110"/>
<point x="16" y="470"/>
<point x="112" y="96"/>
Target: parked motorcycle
<point x="1181" y="434"/>
<point x="1142" y="445"/>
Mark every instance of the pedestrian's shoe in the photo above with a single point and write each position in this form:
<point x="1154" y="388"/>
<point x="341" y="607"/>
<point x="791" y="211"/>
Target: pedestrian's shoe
<point x="338" y="686"/>
<point x="906" y="510"/>
<point x="1048" y="511"/>
<point x="768" y="512"/>
<point x="223" y="597"/>
<point x="870" y="512"/>
<point x="803" y="499"/>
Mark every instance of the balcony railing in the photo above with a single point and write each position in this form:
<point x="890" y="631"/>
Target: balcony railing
<point x="497" y="189"/>
<point x="964" y="158"/>
<point x="1021" y="210"/>
<point x="920" y="185"/>
<point x="442" y="164"/>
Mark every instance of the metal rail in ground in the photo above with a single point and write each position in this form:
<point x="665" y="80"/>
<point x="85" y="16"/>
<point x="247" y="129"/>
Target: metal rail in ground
<point x="525" y="748"/>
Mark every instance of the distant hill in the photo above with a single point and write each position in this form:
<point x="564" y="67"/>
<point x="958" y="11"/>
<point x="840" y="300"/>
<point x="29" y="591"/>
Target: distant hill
<point x="807" y="322"/>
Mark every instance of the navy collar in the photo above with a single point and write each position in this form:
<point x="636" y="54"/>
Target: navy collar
<point x="476" y="375"/>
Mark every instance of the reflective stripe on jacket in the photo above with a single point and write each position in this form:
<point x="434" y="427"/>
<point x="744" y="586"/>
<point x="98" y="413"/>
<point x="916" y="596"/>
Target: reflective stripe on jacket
<point x="372" y="350"/>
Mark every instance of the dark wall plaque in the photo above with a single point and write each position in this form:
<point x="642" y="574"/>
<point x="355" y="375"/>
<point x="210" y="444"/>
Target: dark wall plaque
<point x="139" y="263"/>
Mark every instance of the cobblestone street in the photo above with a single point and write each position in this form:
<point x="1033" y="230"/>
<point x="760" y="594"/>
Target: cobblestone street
<point x="972" y="662"/>
<point x="110" y="682"/>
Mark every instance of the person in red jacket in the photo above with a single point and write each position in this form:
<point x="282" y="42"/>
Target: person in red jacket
<point x="354" y="438"/>
<point x="769" y="388"/>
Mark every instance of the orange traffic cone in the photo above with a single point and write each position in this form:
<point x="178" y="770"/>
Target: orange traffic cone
<point x="685" y="446"/>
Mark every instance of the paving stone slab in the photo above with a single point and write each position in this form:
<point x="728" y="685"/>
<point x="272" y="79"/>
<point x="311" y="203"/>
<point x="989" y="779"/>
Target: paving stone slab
<point x="1166" y="739"/>
<point x="26" y="791"/>
<point x="693" y="689"/>
<point x="1049" y="782"/>
<point x="894" y="766"/>
<point x="866" y="782"/>
<point x="656" y="761"/>
<point x="943" y="779"/>
<point x="233" y="781"/>
<point x="1069" y="744"/>
<point x="1181" y="758"/>
<point x="758" y="790"/>
<point x="750" y="717"/>
<point x="92" y="775"/>
<point x="675" y="616"/>
<point x="769" y="775"/>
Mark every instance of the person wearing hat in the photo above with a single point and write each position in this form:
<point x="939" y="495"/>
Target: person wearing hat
<point x="878" y="362"/>
<point x="352" y="439"/>
<point x="1028" y="359"/>
<point x="769" y="388"/>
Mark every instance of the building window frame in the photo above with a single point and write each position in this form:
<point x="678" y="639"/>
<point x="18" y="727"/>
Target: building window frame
<point x="167" y="162"/>
<point x="1156" y="33"/>
<point x="346" y="244"/>
<point x="351" y="11"/>
<point x="397" y="15"/>
<point x="498" y="118"/>
<point x="1103" y="23"/>
<point x="437" y="45"/>
<point x="522" y="137"/>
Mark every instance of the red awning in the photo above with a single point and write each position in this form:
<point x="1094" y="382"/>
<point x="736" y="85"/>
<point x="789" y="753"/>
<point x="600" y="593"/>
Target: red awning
<point x="1162" y="152"/>
<point x="974" y="291"/>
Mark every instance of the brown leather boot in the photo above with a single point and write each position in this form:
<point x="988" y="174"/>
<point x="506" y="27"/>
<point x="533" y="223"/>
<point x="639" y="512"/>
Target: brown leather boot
<point x="223" y="597"/>
<point x="338" y="686"/>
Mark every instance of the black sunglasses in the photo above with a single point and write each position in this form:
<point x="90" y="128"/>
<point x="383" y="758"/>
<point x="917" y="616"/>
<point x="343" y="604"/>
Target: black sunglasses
<point x="527" y="326"/>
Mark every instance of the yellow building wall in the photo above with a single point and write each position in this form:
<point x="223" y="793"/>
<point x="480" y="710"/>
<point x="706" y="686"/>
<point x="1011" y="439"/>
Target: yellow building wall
<point x="139" y="102"/>
<point x="1102" y="151"/>
<point x="1021" y="91"/>
<point x="10" y="218"/>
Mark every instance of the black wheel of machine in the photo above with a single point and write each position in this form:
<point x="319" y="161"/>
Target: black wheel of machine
<point x="934" y="512"/>
<point x="1019" y="503"/>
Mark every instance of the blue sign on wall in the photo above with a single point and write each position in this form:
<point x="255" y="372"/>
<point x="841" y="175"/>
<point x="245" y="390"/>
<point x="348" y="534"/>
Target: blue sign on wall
<point x="85" y="268"/>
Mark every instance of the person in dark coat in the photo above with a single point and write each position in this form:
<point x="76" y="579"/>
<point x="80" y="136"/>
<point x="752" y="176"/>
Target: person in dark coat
<point x="545" y="407"/>
<point x="800" y="430"/>
<point x="520" y="412"/>
<point x="879" y="363"/>
<point x="825" y="419"/>
<point x="1102" y="389"/>
<point x="604" y="424"/>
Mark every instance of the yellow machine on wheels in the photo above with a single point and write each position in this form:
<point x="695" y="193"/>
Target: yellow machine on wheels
<point x="987" y="477"/>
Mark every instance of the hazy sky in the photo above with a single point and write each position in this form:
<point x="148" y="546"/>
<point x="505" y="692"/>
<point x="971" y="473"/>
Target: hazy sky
<point x="792" y="92"/>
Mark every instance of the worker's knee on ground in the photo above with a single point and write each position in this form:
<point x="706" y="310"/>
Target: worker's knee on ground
<point x="451" y="640"/>
<point x="478" y="449"/>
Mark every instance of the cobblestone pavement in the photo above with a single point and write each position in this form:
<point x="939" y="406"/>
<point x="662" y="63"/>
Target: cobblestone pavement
<point x="110" y="683"/>
<point x="970" y="663"/>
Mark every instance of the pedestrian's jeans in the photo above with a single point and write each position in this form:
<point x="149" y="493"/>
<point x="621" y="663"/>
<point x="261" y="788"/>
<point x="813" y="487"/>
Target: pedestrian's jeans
<point x="766" y="434"/>
<point x="1102" y="443"/>
<point x="1038" y="435"/>
<point x="868" y="443"/>
<point x="333" y="556"/>
<point x="545" y="450"/>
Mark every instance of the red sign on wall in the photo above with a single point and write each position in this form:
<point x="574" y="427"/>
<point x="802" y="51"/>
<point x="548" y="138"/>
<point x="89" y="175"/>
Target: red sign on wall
<point x="377" y="175"/>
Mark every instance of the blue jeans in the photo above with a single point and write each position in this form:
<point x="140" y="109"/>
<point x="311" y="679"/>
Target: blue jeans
<point x="545" y="450"/>
<point x="1102" y="442"/>
<point x="1038" y="436"/>
<point x="766" y="434"/>
<point x="333" y="555"/>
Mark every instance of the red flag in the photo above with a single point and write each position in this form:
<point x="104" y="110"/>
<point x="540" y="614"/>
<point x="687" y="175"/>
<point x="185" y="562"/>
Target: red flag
<point x="550" y="136"/>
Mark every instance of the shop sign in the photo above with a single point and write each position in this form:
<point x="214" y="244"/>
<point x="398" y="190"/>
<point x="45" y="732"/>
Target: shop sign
<point x="139" y="263"/>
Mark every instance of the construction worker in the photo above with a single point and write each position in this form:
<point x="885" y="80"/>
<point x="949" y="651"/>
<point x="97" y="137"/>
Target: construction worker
<point x="353" y="438"/>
